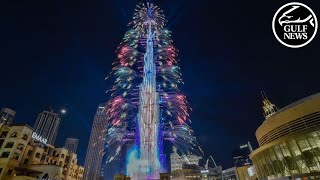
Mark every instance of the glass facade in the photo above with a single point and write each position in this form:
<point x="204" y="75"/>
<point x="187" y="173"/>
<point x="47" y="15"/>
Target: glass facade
<point x="296" y="156"/>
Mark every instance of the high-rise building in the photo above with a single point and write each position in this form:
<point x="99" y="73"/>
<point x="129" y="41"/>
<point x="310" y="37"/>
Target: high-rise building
<point x="6" y="116"/>
<point x="47" y="125"/>
<point x="241" y="155"/>
<point x="71" y="144"/>
<point x="146" y="106"/>
<point x="95" y="150"/>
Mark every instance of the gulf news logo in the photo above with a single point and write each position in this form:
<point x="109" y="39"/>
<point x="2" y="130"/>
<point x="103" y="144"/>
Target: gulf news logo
<point x="294" y="25"/>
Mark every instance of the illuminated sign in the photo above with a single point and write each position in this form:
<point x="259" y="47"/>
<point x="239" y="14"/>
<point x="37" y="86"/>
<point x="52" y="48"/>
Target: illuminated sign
<point x="243" y="146"/>
<point x="39" y="138"/>
<point x="204" y="171"/>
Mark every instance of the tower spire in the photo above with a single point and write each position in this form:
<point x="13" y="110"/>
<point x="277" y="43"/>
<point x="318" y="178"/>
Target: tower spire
<point x="268" y="107"/>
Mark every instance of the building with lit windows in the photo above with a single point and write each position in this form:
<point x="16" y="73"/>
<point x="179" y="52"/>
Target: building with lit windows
<point x="289" y="141"/>
<point x="95" y="152"/>
<point x="26" y="155"/>
<point x="47" y="125"/>
<point x="194" y="172"/>
<point x="177" y="161"/>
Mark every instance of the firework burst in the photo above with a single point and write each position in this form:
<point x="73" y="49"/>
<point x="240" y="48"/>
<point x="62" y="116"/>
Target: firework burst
<point x="146" y="76"/>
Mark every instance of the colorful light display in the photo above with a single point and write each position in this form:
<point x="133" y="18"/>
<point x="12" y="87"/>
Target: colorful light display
<point x="146" y="106"/>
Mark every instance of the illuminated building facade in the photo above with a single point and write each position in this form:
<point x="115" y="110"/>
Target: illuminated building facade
<point x="146" y="107"/>
<point x="239" y="173"/>
<point x="23" y="155"/>
<point x="289" y="142"/>
<point x="6" y="116"/>
<point x="95" y="152"/>
<point x="178" y="161"/>
<point x="193" y="172"/>
<point x="230" y="174"/>
<point x="47" y="125"/>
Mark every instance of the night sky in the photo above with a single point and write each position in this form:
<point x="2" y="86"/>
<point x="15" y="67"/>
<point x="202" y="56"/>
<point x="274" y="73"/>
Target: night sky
<point x="59" y="52"/>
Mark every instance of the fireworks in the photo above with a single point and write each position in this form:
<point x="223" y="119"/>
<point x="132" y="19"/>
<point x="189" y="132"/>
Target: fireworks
<point x="146" y="106"/>
<point x="145" y="15"/>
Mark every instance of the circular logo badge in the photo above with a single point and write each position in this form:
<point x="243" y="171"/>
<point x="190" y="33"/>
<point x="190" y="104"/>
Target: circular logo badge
<point x="294" y="25"/>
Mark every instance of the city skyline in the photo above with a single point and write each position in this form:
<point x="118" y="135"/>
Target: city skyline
<point x="223" y="71"/>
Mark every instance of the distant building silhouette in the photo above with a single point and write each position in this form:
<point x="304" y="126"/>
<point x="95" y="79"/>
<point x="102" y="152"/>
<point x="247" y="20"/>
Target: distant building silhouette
<point x="95" y="152"/>
<point x="241" y="155"/>
<point x="7" y="116"/>
<point x="71" y="144"/>
<point x="47" y="125"/>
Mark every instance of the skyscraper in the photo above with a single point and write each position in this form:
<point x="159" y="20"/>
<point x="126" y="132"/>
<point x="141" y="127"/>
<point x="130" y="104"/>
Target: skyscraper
<point x="6" y="116"/>
<point x="47" y="125"/>
<point x="95" y="150"/>
<point x="146" y="106"/>
<point x="72" y="144"/>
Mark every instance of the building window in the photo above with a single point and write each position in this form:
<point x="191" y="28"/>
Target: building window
<point x="16" y="156"/>
<point x="9" y="145"/>
<point x="43" y="157"/>
<point x="67" y="159"/>
<point x="46" y="176"/>
<point x="62" y="155"/>
<point x="14" y="134"/>
<point x="29" y="153"/>
<point x="26" y="161"/>
<point x="25" y="136"/>
<point x="9" y="172"/>
<point x="5" y="154"/>
<point x="20" y="147"/>
<point x="1" y="142"/>
<point x="3" y="134"/>
<point x="0" y="170"/>
<point x="38" y="155"/>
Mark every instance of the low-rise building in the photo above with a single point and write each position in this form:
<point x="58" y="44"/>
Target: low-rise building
<point x="121" y="177"/>
<point x="25" y="155"/>
<point x="177" y="161"/>
<point x="193" y="172"/>
<point x="289" y="141"/>
<point x="239" y="173"/>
